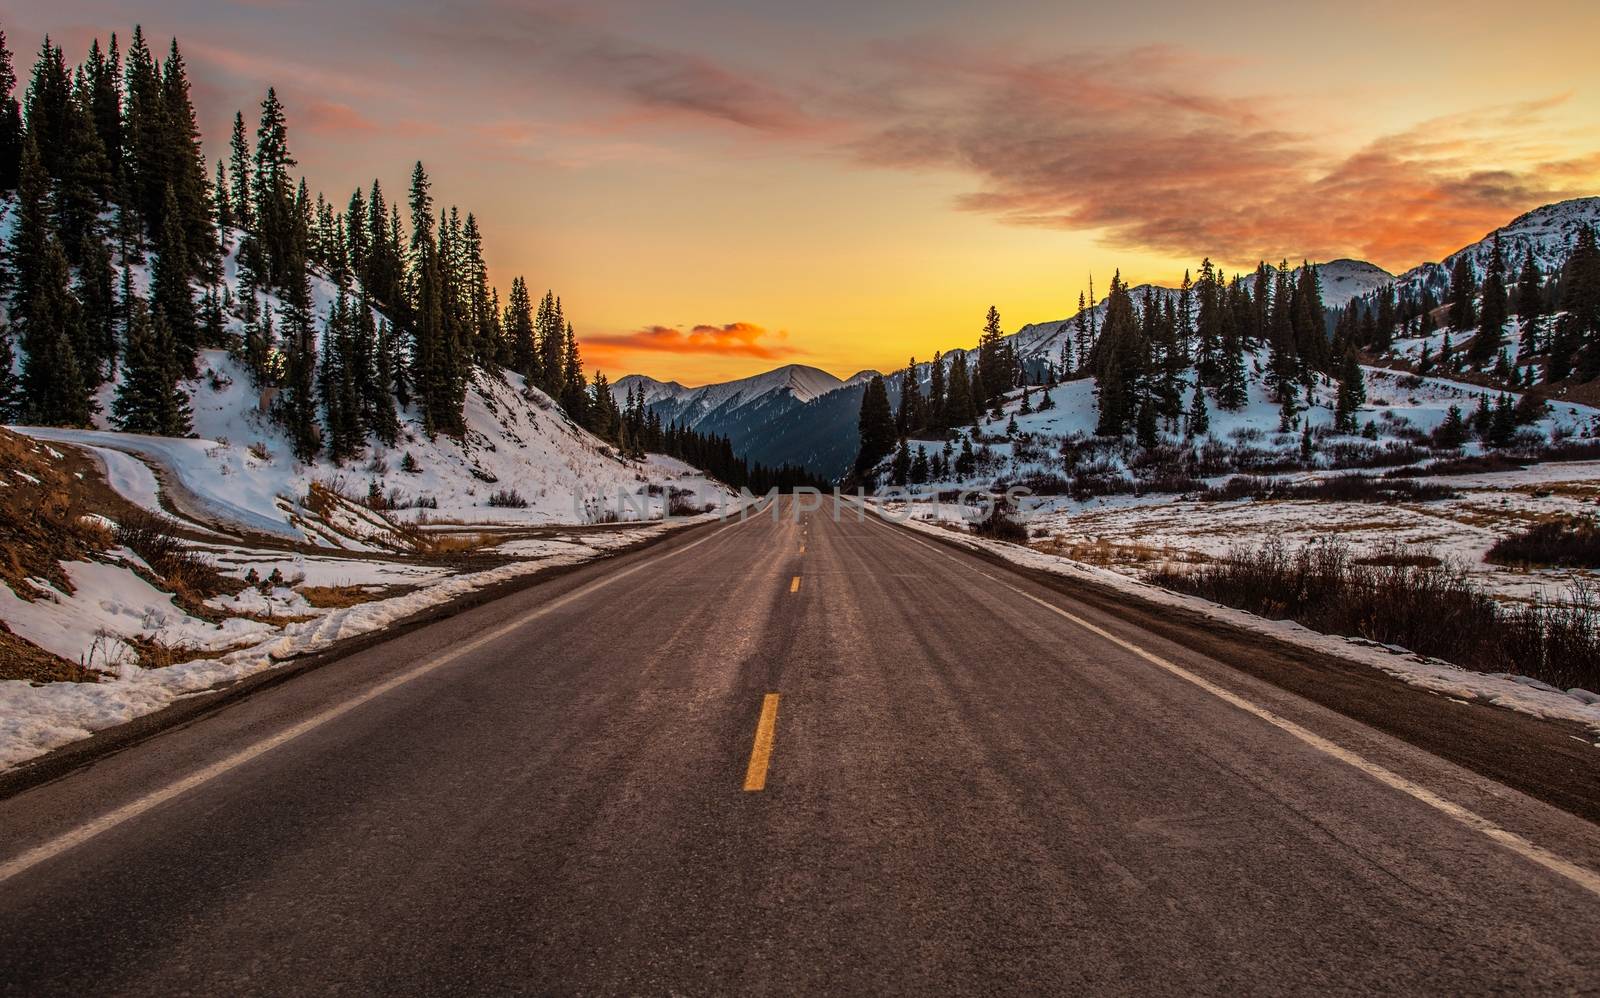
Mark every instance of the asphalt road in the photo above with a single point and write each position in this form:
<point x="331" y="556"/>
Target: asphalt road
<point x="969" y="783"/>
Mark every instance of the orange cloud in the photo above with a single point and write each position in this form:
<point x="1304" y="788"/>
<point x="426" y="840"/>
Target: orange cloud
<point x="332" y="116"/>
<point x="1126" y="143"/>
<point x="735" y="339"/>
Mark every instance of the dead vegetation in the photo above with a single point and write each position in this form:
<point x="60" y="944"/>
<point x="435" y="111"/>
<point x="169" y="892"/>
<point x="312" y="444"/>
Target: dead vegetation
<point x="42" y="518"/>
<point x="1106" y="553"/>
<point x="1565" y="542"/>
<point x="28" y="662"/>
<point x="190" y="577"/>
<point x="340" y="597"/>
<point x="1434" y="610"/>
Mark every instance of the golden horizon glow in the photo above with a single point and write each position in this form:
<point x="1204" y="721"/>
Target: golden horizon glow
<point x="714" y="193"/>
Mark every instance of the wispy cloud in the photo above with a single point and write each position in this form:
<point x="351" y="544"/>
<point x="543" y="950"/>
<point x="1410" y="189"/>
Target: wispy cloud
<point x="1125" y="144"/>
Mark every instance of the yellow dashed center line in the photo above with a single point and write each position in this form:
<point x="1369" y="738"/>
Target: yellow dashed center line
<point x="755" y="776"/>
<point x="794" y="584"/>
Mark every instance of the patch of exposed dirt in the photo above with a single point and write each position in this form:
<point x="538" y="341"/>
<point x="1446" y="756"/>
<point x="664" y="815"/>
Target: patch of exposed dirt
<point x="24" y="660"/>
<point x="339" y="597"/>
<point x="43" y="504"/>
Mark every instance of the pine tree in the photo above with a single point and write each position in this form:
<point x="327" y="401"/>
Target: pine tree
<point x="575" y="391"/>
<point x="144" y="132"/>
<point x="1199" y="417"/>
<point x="82" y="178"/>
<point x="296" y="402"/>
<point x="959" y="407"/>
<point x="875" y="425"/>
<point x="1463" y="288"/>
<point x="1310" y="330"/>
<point x="378" y="386"/>
<point x="48" y="107"/>
<point x="54" y="390"/>
<point x="32" y="231"/>
<point x="185" y="167"/>
<point x="95" y="289"/>
<point x="1352" y="394"/>
<point x="552" y="344"/>
<point x="936" y="393"/>
<point x="1145" y="428"/>
<point x="10" y="122"/>
<point x="1208" y="324"/>
<point x="1492" y="312"/>
<point x="1580" y="288"/>
<point x="1233" y="390"/>
<point x="1119" y="363"/>
<point x="148" y="399"/>
<point x="900" y="468"/>
<point x="1530" y="305"/>
<point x="966" y="462"/>
<point x="274" y="216"/>
<point x="340" y="378"/>
<point x="103" y="75"/>
<point x="242" y="195"/>
<point x="992" y="377"/>
<point x="522" y="333"/>
<point x="171" y="291"/>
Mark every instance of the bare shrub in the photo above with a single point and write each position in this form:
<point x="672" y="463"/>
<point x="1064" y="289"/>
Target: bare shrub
<point x="683" y="502"/>
<point x="1433" y="610"/>
<point x="1568" y="542"/>
<point x="507" y="499"/>
<point x="1338" y="488"/>
<point x="190" y="576"/>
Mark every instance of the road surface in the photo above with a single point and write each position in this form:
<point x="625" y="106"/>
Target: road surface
<point x="787" y="757"/>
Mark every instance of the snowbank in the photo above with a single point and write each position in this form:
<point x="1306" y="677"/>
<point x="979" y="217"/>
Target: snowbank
<point x="1519" y="693"/>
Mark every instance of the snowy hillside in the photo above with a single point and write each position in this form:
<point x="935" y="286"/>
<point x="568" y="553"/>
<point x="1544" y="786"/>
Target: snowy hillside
<point x="1055" y="451"/>
<point x="1549" y="231"/>
<point x="1342" y="281"/>
<point x="238" y="472"/>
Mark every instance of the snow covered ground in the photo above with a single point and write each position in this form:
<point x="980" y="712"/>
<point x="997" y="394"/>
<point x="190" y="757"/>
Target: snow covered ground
<point x="1520" y="693"/>
<point x="113" y="607"/>
<point x="1401" y="408"/>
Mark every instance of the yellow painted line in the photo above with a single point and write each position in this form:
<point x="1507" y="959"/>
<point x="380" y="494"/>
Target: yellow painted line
<point x="33" y="857"/>
<point x="755" y="776"/>
<point x="794" y="584"/>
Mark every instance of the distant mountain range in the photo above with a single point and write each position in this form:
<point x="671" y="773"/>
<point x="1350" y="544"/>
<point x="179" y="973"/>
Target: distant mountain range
<point x="802" y="415"/>
<point x="792" y="415"/>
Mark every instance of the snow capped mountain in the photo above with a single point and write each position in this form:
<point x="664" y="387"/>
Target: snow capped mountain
<point x="1343" y="280"/>
<point x="1549" y="231"/>
<point x="692" y="406"/>
<point x="772" y="418"/>
<point x="862" y="377"/>
<point x="654" y="391"/>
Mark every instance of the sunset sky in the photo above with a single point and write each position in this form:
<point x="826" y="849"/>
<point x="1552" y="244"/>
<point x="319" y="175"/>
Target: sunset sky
<point x="716" y="188"/>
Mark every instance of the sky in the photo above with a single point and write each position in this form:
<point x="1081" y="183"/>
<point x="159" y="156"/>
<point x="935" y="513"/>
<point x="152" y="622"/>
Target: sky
<point x="716" y="188"/>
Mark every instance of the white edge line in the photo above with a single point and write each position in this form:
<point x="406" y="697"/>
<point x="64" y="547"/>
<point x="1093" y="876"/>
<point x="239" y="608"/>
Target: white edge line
<point x="1579" y="875"/>
<point x="88" y="830"/>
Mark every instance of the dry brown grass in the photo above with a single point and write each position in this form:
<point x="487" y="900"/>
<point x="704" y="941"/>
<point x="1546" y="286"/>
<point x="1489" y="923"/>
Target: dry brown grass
<point x="24" y="660"/>
<point x="339" y="597"/>
<point x="155" y="653"/>
<point x="1105" y="553"/>
<point x="457" y="543"/>
<point x="42" y="523"/>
